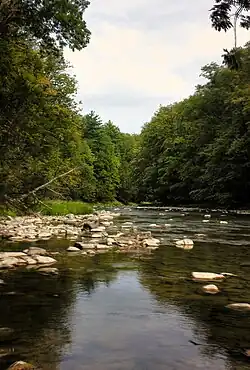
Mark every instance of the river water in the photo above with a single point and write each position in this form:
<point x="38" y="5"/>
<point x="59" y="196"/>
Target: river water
<point x="135" y="313"/>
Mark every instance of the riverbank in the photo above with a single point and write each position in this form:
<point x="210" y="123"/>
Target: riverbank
<point x="59" y="208"/>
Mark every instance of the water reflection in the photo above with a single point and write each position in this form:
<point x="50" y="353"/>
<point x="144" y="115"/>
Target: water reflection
<point x="114" y="312"/>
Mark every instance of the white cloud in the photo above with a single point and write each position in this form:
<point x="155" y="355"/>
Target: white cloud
<point x="134" y="59"/>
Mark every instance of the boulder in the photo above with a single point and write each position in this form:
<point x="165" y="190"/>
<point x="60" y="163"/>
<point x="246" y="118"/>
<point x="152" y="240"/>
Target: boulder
<point x="207" y="276"/>
<point x="239" y="306"/>
<point x="44" y="260"/>
<point x="210" y="289"/>
<point x="143" y="235"/>
<point x="223" y="222"/>
<point x="82" y="246"/>
<point x="21" y="365"/>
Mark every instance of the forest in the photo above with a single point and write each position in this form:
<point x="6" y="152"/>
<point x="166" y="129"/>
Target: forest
<point x="196" y="151"/>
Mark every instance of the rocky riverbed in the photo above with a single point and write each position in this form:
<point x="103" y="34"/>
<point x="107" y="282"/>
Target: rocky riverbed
<point x="89" y="234"/>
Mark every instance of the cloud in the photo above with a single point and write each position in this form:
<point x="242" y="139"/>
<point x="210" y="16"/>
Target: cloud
<point x="141" y="54"/>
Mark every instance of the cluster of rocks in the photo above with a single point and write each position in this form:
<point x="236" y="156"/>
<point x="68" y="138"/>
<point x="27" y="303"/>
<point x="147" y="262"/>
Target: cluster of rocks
<point x="27" y="228"/>
<point x="32" y="257"/>
<point x="126" y="241"/>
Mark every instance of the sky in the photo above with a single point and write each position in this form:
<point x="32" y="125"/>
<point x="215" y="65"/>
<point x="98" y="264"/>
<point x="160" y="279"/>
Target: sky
<point x="143" y="54"/>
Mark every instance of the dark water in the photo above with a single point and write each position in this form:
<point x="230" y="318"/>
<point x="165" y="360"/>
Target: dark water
<point x="135" y="313"/>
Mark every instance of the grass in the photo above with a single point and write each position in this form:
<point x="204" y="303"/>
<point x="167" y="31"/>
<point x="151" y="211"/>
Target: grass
<point x="59" y="207"/>
<point x="7" y="212"/>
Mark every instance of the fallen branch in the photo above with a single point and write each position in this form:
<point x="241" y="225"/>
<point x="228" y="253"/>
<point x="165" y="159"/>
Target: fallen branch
<point x="32" y="192"/>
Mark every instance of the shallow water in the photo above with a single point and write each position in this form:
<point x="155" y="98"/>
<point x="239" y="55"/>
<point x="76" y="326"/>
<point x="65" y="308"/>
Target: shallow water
<point x="128" y="313"/>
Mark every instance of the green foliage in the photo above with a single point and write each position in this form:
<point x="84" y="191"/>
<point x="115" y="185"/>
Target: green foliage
<point x="53" y="23"/>
<point x="57" y="207"/>
<point x="197" y="151"/>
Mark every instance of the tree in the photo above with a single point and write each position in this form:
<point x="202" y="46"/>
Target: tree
<point x="221" y="16"/>
<point x="53" y="23"/>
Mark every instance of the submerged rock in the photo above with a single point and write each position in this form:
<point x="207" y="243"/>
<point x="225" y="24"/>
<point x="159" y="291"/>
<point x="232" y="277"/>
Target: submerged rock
<point x="6" y="334"/>
<point x="210" y="289"/>
<point x="207" y="276"/>
<point x="32" y="251"/>
<point x="239" y="306"/>
<point x="49" y="270"/>
<point x="21" y="365"/>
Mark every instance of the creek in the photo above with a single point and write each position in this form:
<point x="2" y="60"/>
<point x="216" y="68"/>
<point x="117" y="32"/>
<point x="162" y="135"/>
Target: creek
<point x="135" y="312"/>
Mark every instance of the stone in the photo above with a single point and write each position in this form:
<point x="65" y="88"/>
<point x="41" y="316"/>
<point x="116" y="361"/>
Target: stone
<point x="210" y="289"/>
<point x="21" y="365"/>
<point x="239" y="306"/>
<point x="9" y="262"/>
<point x="29" y="260"/>
<point x="144" y="235"/>
<point x="6" y="334"/>
<point x="32" y="251"/>
<point x="98" y="229"/>
<point x="49" y="270"/>
<point x="45" y="260"/>
<point x="97" y="235"/>
<point x="82" y="246"/>
<point x="2" y="282"/>
<point x="110" y="241"/>
<point x="91" y="252"/>
<point x="107" y="223"/>
<point x="11" y="254"/>
<point x="207" y="216"/>
<point x="73" y="249"/>
<point x="184" y="244"/>
<point x="207" y="276"/>
<point x="223" y="222"/>
<point x="151" y="242"/>
<point x="205" y="221"/>
<point x="71" y="216"/>
<point x="102" y="246"/>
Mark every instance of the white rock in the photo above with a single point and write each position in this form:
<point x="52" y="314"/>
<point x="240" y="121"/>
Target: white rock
<point x="239" y="306"/>
<point x="210" y="289"/>
<point x="31" y="251"/>
<point x="11" y="254"/>
<point x="106" y="223"/>
<point x="98" y="229"/>
<point x="207" y="276"/>
<point x="45" y="260"/>
<point x="9" y="262"/>
<point x="151" y="242"/>
<point x="110" y="241"/>
<point x="102" y="246"/>
<point x="184" y="243"/>
<point x="223" y="222"/>
<point x="29" y="260"/>
<point x="167" y="225"/>
<point x="96" y="235"/>
<point x="205" y="220"/>
<point x="73" y="249"/>
<point x="152" y="225"/>
<point x="207" y="216"/>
